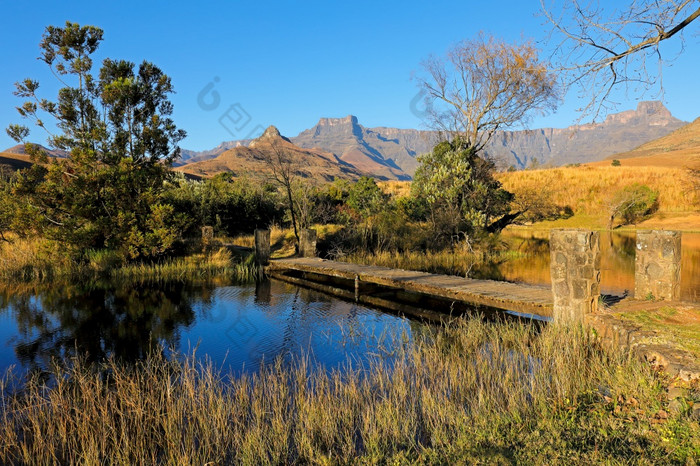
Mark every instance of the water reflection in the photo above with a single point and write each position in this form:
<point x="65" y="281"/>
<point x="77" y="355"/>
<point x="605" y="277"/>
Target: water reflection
<point x="237" y="327"/>
<point x="617" y="262"/>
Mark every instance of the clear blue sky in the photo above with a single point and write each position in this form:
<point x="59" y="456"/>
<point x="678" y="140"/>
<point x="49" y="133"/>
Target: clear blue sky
<point x="289" y="63"/>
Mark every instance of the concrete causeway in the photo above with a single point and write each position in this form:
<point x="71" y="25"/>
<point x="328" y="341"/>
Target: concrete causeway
<point x="520" y="298"/>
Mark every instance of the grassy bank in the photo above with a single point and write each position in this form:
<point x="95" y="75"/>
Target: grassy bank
<point x="472" y="392"/>
<point x="41" y="261"/>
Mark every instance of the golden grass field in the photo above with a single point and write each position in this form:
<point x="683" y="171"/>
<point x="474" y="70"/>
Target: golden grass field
<point x="588" y="189"/>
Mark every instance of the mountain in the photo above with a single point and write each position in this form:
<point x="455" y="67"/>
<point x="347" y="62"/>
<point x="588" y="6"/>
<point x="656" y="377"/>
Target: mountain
<point x="681" y="148"/>
<point x="584" y="143"/>
<point x="190" y="156"/>
<point x="391" y="153"/>
<point x="251" y="161"/>
<point x="388" y="152"/>
<point x="19" y="149"/>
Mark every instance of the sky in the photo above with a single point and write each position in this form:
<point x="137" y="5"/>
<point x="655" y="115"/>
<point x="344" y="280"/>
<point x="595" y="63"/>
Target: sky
<point x="240" y="66"/>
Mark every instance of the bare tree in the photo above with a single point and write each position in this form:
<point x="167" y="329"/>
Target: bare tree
<point x="600" y="48"/>
<point x="484" y="85"/>
<point x="284" y="172"/>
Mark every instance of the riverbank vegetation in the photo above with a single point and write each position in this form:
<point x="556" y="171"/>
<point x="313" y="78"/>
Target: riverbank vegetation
<point x="468" y="392"/>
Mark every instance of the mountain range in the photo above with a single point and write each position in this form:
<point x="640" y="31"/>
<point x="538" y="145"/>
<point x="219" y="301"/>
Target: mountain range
<point x="256" y="159"/>
<point x="391" y="153"/>
<point x="342" y="147"/>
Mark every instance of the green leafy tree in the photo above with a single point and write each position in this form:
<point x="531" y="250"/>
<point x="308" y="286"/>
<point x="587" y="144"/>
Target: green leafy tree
<point x="462" y="195"/>
<point x="366" y="198"/>
<point x="121" y="141"/>
<point x="632" y="204"/>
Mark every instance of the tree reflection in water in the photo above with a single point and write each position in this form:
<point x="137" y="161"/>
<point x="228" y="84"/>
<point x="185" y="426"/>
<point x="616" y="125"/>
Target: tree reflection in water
<point x="99" y="320"/>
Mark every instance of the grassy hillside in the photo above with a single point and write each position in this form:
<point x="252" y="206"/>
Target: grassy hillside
<point x="10" y="161"/>
<point x="587" y="189"/>
<point x="679" y="149"/>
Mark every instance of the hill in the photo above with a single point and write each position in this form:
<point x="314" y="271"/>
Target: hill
<point x="10" y="161"/>
<point x="681" y="148"/>
<point x="20" y="149"/>
<point x="249" y="161"/>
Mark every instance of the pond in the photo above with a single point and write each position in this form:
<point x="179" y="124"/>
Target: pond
<point x="238" y="327"/>
<point x="530" y="264"/>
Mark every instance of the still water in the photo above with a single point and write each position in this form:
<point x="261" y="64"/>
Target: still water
<point x="238" y="327"/>
<point x="531" y="264"/>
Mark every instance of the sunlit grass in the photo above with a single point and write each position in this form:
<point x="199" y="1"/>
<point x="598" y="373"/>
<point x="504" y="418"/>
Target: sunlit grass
<point x="192" y="267"/>
<point x="42" y="261"/>
<point x="587" y="190"/>
<point x="469" y="393"/>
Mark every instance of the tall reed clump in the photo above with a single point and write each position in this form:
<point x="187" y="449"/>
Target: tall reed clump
<point x="34" y="259"/>
<point x="40" y="261"/>
<point x="469" y="393"/>
<point x="193" y="267"/>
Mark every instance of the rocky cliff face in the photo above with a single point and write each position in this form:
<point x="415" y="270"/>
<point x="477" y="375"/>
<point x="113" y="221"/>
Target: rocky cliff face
<point x="390" y="153"/>
<point x="367" y="149"/>
<point x="619" y="132"/>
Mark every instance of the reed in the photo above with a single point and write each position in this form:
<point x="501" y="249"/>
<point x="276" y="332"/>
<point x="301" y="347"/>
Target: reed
<point x="470" y="392"/>
<point x="37" y="260"/>
<point x="193" y="267"/>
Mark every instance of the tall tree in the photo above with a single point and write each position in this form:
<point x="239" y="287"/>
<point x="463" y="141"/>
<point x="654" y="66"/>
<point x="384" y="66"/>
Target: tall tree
<point x="462" y="195"/>
<point x="117" y="129"/>
<point x="601" y="48"/>
<point x="484" y="85"/>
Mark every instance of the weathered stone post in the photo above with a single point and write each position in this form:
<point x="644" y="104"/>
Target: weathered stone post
<point x="207" y="233"/>
<point x="657" y="265"/>
<point x="575" y="270"/>
<point x="207" y="237"/>
<point x="307" y="243"/>
<point x="262" y="246"/>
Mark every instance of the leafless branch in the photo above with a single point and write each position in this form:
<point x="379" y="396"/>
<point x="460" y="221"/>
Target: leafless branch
<point x="599" y="49"/>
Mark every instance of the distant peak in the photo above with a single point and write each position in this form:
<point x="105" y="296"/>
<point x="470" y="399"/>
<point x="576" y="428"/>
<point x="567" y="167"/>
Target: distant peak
<point x="271" y="132"/>
<point x="348" y="120"/>
<point x="652" y="107"/>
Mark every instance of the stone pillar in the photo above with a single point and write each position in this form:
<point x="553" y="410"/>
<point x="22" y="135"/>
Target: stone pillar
<point x="307" y="243"/>
<point x="207" y="233"/>
<point x="575" y="269"/>
<point x="262" y="246"/>
<point x="207" y="238"/>
<point x="657" y="265"/>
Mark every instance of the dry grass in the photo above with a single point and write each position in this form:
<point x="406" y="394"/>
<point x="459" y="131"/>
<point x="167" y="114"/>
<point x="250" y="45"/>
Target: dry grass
<point x="33" y="259"/>
<point x="203" y="266"/>
<point x="469" y="393"/>
<point x="38" y="260"/>
<point x="588" y="189"/>
<point x="681" y="148"/>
